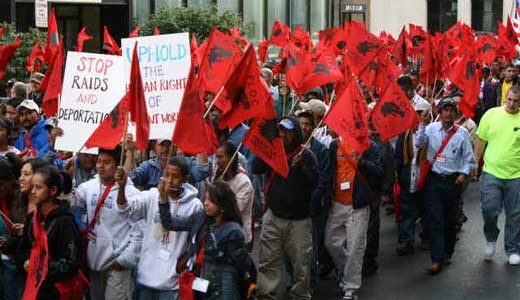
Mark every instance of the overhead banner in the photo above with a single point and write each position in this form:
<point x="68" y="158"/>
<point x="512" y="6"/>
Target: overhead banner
<point x="92" y="86"/>
<point x="165" y="63"/>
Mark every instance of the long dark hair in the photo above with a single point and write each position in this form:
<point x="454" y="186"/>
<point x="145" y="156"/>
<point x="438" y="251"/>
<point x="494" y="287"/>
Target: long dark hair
<point x="55" y="178"/>
<point x="229" y="148"/>
<point x="220" y="193"/>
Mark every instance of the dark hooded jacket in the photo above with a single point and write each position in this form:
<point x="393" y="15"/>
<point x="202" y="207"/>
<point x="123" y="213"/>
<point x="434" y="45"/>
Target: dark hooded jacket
<point x="64" y="249"/>
<point x="290" y="198"/>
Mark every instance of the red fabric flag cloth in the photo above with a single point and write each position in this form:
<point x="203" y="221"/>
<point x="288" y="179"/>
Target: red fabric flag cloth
<point x="324" y="70"/>
<point x="393" y="113"/>
<point x="196" y="56"/>
<point x="53" y="38"/>
<point x="247" y="92"/>
<point x="2" y="29"/>
<point x="486" y="48"/>
<point x="135" y="32"/>
<point x="263" y="139"/>
<point x="137" y="104"/>
<point x="263" y="48"/>
<point x="38" y="261"/>
<point x="362" y="47"/>
<point x="6" y="51"/>
<point x="505" y="45"/>
<point x="334" y="38"/>
<point x="418" y="39"/>
<point x="194" y="45"/>
<point x="220" y="57"/>
<point x="298" y="66"/>
<point x="428" y="71"/>
<point x="348" y="117"/>
<point x="186" y="286"/>
<point x="112" y="129"/>
<point x="235" y="33"/>
<point x="396" y="193"/>
<point x="109" y="44"/>
<point x="193" y="133"/>
<point x="82" y="37"/>
<point x="301" y="39"/>
<point x="31" y="59"/>
<point x="466" y="76"/>
<point x="280" y="34"/>
<point x="52" y="84"/>
<point x="156" y="31"/>
<point x="400" y="50"/>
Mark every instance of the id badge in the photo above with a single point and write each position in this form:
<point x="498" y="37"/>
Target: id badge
<point x="345" y="186"/>
<point x="200" y="285"/>
<point x="164" y="254"/>
<point x="441" y="159"/>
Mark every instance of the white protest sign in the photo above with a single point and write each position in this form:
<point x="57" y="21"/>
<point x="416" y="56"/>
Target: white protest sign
<point x="92" y="86"/>
<point x="165" y="64"/>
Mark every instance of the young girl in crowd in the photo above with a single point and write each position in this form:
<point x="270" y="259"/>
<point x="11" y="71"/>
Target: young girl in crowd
<point x="50" y="218"/>
<point x="216" y="247"/>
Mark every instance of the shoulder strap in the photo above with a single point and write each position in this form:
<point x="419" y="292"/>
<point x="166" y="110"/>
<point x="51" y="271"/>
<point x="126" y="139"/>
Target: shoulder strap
<point x="446" y="141"/>
<point x="99" y="204"/>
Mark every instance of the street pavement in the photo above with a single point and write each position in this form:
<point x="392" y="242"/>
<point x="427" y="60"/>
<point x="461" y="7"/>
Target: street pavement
<point x="470" y="277"/>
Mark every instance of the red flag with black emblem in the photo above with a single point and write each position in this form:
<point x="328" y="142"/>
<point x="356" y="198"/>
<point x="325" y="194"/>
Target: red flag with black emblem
<point x="6" y="51"/>
<point x="247" y="92"/>
<point x="112" y="129"/>
<point x="263" y="47"/>
<point x="324" y="70"/>
<point x="219" y="60"/>
<point x="334" y="38"/>
<point x="418" y="38"/>
<point x="193" y="133"/>
<point x="348" y="117"/>
<point x="486" y="48"/>
<point x="362" y="47"/>
<point x="235" y="33"/>
<point x="137" y="104"/>
<point x="38" y="260"/>
<point x="400" y="50"/>
<point x="297" y="67"/>
<point x="505" y="44"/>
<point x="466" y="76"/>
<point x="301" y="38"/>
<point x="52" y="84"/>
<point x="31" y="59"/>
<point x="135" y="32"/>
<point x="53" y="38"/>
<point x="109" y="44"/>
<point x="82" y="37"/>
<point x="393" y="113"/>
<point x="264" y="140"/>
<point x="280" y="34"/>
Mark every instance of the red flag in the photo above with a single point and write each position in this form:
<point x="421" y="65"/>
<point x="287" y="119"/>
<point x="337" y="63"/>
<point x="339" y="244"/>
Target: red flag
<point x="193" y="133"/>
<point x="52" y="84"/>
<point x="486" y="48"/>
<point x="38" y="261"/>
<point x="137" y="104"/>
<point x="335" y="38"/>
<point x="301" y="39"/>
<point x="156" y="31"/>
<point x="348" y="117"/>
<point x="324" y="70"/>
<point x="298" y="66"/>
<point x="400" y="50"/>
<point x="2" y="29"/>
<point x="280" y="34"/>
<point x="6" y="51"/>
<point x="53" y="38"/>
<point x="263" y="139"/>
<point x="197" y="55"/>
<point x="362" y="47"/>
<point x="263" y="48"/>
<point x="135" y="32"/>
<point x="418" y="38"/>
<point x="31" y="59"/>
<point x="109" y="44"/>
<point x="505" y="44"/>
<point x="221" y="56"/>
<point x="247" y="92"/>
<point x="393" y="113"/>
<point x="466" y="76"/>
<point x="194" y="45"/>
<point x="82" y="37"/>
<point x="428" y="71"/>
<point x="235" y="33"/>
<point x="112" y="129"/>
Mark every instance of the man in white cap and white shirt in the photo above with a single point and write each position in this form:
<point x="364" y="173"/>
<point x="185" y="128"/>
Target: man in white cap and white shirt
<point x="318" y="109"/>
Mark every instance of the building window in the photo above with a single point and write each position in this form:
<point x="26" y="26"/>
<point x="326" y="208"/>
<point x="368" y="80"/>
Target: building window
<point x="233" y="5"/>
<point x="254" y="14"/>
<point x="442" y="14"/>
<point x="277" y="9"/>
<point x="201" y="3"/>
<point x="141" y="11"/>
<point x="319" y="16"/>
<point x="485" y="15"/>
<point x="299" y="14"/>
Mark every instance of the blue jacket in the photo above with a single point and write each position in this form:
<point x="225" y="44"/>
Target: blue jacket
<point x="370" y="166"/>
<point x="39" y="138"/>
<point x="321" y="194"/>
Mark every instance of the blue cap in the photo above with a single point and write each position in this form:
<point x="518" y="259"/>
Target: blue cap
<point x="287" y="124"/>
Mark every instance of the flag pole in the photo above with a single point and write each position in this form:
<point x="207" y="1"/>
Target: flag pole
<point x="213" y="102"/>
<point x="123" y="148"/>
<point x="283" y="104"/>
<point x="434" y="86"/>
<point x="230" y="161"/>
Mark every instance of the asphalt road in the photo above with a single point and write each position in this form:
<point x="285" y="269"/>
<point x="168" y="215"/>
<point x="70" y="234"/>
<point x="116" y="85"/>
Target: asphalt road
<point x="470" y="277"/>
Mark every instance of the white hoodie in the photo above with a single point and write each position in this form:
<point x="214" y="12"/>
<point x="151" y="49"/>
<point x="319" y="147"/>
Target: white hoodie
<point x="160" y="250"/>
<point x="112" y="229"/>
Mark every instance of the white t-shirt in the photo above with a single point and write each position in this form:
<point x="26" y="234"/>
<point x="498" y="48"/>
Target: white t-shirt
<point x="10" y="149"/>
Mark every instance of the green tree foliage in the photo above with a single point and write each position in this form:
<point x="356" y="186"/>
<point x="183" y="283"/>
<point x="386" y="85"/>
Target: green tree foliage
<point x="16" y="67"/>
<point x="194" y="20"/>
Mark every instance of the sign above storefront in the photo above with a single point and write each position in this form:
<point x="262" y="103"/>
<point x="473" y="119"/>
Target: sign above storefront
<point x="41" y="13"/>
<point x="76" y="1"/>
<point x="354" y="8"/>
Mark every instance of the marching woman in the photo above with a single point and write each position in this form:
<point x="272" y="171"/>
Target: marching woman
<point x="50" y="246"/>
<point x="216" y="247"/>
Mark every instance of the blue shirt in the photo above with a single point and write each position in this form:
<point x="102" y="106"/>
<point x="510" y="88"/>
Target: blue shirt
<point x="457" y="156"/>
<point x="39" y="138"/>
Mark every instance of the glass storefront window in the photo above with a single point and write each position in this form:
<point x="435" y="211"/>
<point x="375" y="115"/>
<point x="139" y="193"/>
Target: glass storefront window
<point x="299" y="14"/>
<point x="168" y="3"/>
<point x="233" y="5"/>
<point x="276" y="9"/>
<point x="200" y="3"/>
<point x="441" y="14"/>
<point x="319" y="15"/>
<point x="485" y="15"/>
<point x="140" y="11"/>
<point x="254" y="15"/>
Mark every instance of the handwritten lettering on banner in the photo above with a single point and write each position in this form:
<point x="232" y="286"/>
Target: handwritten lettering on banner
<point x="165" y="63"/>
<point x="92" y="86"/>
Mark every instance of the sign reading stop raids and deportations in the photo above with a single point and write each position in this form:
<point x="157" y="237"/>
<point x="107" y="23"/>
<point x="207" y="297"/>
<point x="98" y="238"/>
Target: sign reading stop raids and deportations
<point x="165" y="63"/>
<point x="92" y="86"/>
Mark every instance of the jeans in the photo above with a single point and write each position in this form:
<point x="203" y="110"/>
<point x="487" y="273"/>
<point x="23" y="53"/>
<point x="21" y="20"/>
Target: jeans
<point x="227" y="289"/>
<point x="411" y="208"/>
<point x="374" y="224"/>
<point x="441" y="202"/>
<point x="497" y="193"/>
<point x="13" y="282"/>
<point x="146" y="293"/>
